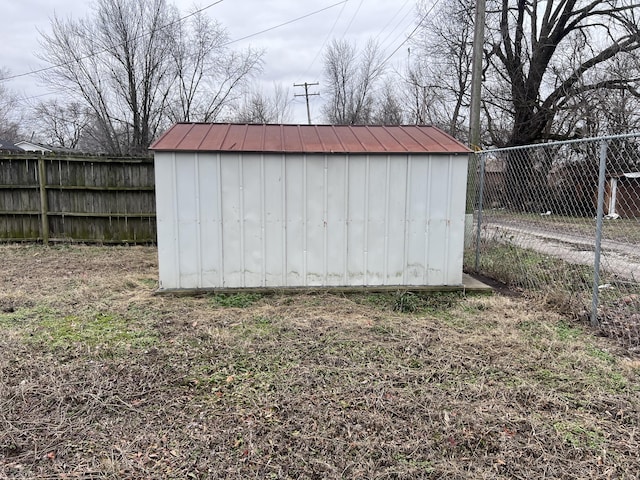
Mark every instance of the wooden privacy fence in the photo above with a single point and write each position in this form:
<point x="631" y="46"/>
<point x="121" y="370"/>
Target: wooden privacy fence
<point x="72" y="198"/>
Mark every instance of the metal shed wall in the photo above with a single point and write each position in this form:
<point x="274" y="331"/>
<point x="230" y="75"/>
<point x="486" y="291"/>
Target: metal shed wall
<point x="234" y="219"/>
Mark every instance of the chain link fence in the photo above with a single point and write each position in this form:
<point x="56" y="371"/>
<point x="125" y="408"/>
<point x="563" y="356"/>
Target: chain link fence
<point x="563" y="220"/>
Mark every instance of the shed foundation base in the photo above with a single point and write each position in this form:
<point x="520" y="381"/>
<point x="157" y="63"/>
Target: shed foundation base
<point x="469" y="285"/>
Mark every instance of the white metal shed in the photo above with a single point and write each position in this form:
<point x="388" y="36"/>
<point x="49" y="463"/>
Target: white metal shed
<point x="309" y="206"/>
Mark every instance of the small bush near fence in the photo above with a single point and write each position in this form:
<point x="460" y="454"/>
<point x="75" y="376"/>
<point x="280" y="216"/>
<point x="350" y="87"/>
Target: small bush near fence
<point x="563" y="220"/>
<point x="85" y="199"/>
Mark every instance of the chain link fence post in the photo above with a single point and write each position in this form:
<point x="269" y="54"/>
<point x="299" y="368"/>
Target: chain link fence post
<point x="602" y="173"/>
<point x="480" y="204"/>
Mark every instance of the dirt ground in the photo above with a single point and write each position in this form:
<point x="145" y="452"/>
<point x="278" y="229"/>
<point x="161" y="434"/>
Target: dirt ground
<point x="100" y="378"/>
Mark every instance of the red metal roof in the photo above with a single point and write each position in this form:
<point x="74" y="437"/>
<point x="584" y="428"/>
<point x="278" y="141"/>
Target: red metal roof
<point x="227" y="137"/>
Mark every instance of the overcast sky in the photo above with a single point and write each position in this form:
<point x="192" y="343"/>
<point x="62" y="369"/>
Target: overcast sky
<point x="293" y="51"/>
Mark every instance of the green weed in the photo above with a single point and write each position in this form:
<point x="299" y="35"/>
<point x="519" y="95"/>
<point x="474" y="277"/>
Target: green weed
<point x="23" y="316"/>
<point x="406" y="302"/>
<point x="525" y="268"/>
<point x="423" y="465"/>
<point x="413" y="302"/>
<point x="532" y="328"/>
<point x="149" y="282"/>
<point x="565" y="331"/>
<point x="600" y="354"/>
<point x="574" y="434"/>
<point x="100" y="330"/>
<point x="260" y="326"/>
<point x="612" y="381"/>
<point x="235" y="300"/>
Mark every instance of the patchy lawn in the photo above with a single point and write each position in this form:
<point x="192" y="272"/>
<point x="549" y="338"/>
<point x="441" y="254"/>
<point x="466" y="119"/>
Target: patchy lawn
<point x="99" y="378"/>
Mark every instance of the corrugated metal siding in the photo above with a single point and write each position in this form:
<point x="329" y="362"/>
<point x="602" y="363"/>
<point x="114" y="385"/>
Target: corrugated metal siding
<point x="274" y="220"/>
<point x="369" y="139"/>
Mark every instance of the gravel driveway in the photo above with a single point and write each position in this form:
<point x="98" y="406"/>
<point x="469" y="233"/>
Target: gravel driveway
<point x="618" y="258"/>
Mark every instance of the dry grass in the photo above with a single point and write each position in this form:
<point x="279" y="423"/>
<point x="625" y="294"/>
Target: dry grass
<point x="99" y="378"/>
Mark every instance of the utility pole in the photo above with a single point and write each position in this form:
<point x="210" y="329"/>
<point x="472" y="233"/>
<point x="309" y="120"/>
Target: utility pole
<point x="306" y="94"/>
<point x="476" y="76"/>
<point x="474" y="116"/>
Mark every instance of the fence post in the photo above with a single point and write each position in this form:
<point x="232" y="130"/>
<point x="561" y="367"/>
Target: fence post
<point x="596" y="261"/>
<point x="44" y="204"/>
<point x="480" y="204"/>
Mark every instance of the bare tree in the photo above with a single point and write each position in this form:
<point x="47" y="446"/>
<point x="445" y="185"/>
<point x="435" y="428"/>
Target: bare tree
<point x="545" y="57"/>
<point x="439" y="73"/>
<point x="609" y="111"/>
<point x="256" y="107"/>
<point x="209" y="77"/>
<point x="9" y="111"/>
<point x="59" y="124"/>
<point x="351" y="77"/>
<point x="529" y="39"/>
<point x="138" y="68"/>
<point x="542" y="60"/>
<point x="118" y="63"/>
<point x="418" y="94"/>
<point x="388" y="109"/>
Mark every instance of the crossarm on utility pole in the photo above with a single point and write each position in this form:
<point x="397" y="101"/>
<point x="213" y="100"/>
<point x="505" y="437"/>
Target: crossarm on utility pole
<point x="306" y="94"/>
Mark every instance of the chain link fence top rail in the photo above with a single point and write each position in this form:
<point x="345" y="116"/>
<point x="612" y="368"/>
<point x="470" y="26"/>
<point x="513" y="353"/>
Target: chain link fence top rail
<point x="563" y="219"/>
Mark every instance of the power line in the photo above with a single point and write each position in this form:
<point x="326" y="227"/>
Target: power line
<point x="37" y="96"/>
<point x="349" y="25"/>
<point x="342" y="2"/>
<point x="285" y="23"/>
<point x="94" y="54"/>
<point x="398" y="24"/>
<point x="391" y="21"/>
<point x="45" y="69"/>
<point x="411" y="34"/>
<point x="326" y="39"/>
<point x="352" y="18"/>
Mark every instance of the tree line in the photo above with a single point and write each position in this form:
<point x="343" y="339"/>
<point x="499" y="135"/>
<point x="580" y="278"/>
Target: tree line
<point x="551" y="70"/>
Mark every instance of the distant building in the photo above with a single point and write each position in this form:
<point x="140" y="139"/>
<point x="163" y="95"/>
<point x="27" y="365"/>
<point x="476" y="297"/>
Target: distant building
<point x="622" y="195"/>
<point x="43" y="148"/>
<point x="33" y="147"/>
<point x="8" y="147"/>
<point x="494" y="181"/>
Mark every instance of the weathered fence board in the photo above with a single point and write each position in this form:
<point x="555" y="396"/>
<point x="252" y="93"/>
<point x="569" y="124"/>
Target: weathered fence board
<point x="74" y="198"/>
